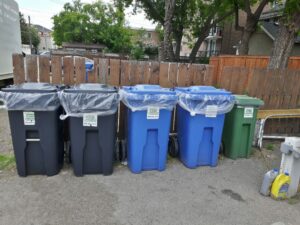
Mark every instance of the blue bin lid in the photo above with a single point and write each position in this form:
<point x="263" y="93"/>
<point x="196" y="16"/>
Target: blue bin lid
<point x="203" y="99"/>
<point x="140" y="97"/>
<point x="148" y="89"/>
<point x="210" y="90"/>
<point x="88" y="65"/>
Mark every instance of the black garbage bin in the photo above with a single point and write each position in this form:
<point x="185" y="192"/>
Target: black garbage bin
<point x="92" y="112"/>
<point x="37" y="131"/>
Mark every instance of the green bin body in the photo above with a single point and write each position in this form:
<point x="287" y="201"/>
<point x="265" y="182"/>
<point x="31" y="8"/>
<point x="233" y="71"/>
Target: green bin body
<point x="239" y="127"/>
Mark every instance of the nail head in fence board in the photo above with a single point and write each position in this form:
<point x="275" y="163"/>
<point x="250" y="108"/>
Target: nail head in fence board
<point x="103" y="70"/>
<point x="32" y="72"/>
<point x="18" y="70"/>
<point x="114" y="76"/>
<point x="80" y="70"/>
<point x="44" y="66"/>
<point x="56" y="69"/>
<point x="68" y="70"/>
<point x="154" y="73"/>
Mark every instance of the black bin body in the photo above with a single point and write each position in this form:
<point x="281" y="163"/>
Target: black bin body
<point x="92" y="147"/>
<point x="38" y="146"/>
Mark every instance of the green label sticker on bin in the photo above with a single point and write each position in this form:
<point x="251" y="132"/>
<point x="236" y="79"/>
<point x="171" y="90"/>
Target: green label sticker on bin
<point x="29" y="118"/>
<point x="90" y="120"/>
<point x="152" y="113"/>
<point x="211" y="111"/>
<point x="248" y="112"/>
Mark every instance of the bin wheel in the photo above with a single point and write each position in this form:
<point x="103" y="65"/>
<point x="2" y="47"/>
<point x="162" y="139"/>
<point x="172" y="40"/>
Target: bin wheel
<point x="117" y="151"/>
<point x="123" y="151"/>
<point x="173" y="147"/>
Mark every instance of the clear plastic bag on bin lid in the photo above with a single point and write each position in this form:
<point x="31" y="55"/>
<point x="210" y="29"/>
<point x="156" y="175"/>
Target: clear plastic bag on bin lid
<point x="205" y="100"/>
<point x="30" y="96"/>
<point x="141" y="97"/>
<point x="99" y="99"/>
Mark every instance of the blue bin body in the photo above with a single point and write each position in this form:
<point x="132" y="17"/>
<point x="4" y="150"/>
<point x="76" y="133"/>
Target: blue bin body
<point x="147" y="139"/>
<point x="199" y="136"/>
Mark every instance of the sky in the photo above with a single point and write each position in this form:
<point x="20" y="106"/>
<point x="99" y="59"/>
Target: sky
<point x="41" y="11"/>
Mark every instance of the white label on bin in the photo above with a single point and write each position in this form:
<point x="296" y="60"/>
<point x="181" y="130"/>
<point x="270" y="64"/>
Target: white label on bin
<point x="90" y="120"/>
<point x="29" y="118"/>
<point x="211" y="111"/>
<point x="248" y="112"/>
<point x="153" y="113"/>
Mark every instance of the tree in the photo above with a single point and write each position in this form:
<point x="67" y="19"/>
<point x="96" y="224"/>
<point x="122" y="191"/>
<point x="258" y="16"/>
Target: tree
<point x="95" y="23"/>
<point x="27" y="31"/>
<point x="289" y="28"/>
<point x="253" y="15"/>
<point x="192" y="18"/>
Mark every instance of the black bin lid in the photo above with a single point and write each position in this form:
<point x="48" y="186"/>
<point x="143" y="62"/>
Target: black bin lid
<point x="91" y="88"/>
<point x="31" y="88"/>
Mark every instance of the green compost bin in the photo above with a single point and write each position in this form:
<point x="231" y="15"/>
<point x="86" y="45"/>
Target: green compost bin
<point x="239" y="127"/>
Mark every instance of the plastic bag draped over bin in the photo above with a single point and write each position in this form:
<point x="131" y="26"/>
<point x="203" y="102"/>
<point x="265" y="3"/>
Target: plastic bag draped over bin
<point x="141" y="97"/>
<point x="204" y="100"/>
<point x="89" y="98"/>
<point x="30" y="96"/>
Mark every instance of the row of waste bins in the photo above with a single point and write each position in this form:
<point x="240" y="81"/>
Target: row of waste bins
<point x="38" y="113"/>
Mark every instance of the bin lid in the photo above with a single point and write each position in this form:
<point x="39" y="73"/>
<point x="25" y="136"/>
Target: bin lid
<point x="91" y="88"/>
<point x="148" y="89"/>
<point x="31" y="96"/>
<point x="88" y="65"/>
<point x="210" y="90"/>
<point x="245" y="100"/>
<point x="141" y="97"/>
<point x="205" y="100"/>
<point x="31" y="88"/>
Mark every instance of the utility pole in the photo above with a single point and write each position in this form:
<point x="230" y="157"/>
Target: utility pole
<point x="30" y="39"/>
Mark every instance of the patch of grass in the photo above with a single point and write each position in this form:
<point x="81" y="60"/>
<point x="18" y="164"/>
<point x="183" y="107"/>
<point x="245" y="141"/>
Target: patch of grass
<point x="270" y="147"/>
<point x="7" y="161"/>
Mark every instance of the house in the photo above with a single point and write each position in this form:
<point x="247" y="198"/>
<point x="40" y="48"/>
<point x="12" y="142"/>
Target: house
<point x="149" y="37"/>
<point x="261" y="42"/>
<point x="46" y="40"/>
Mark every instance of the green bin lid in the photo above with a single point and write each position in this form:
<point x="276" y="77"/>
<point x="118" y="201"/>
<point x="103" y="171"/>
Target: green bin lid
<point x="245" y="100"/>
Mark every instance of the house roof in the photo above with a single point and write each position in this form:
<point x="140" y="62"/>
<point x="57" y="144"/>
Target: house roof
<point x="42" y="29"/>
<point x="83" y="46"/>
<point x="271" y="29"/>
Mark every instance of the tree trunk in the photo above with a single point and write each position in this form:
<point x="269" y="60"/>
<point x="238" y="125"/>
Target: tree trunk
<point x="197" y="45"/>
<point x="178" y="39"/>
<point x="249" y="29"/>
<point x="167" y="51"/>
<point x="284" y="42"/>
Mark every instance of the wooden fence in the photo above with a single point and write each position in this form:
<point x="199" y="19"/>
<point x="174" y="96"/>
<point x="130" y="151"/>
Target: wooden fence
<point x="278" y="88"/>
<point x="251" y="62"/>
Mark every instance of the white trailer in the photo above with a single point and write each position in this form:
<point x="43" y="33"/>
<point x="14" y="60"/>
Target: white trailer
<point x="10" y="37"/>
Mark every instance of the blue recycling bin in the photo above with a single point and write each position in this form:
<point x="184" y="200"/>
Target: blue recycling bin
<point x="149" y="110"/>
<point x="200" y="118"/>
